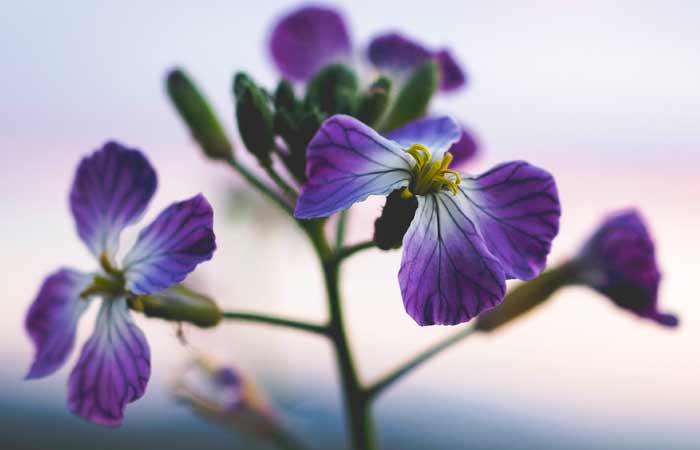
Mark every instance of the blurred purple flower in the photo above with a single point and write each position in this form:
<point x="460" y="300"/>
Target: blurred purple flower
<point x="619" y="261"/>
<point x="223" y="394"/>
<point x="468" y="234"/>
<point x="308" y="38"/>
<point x="111" y="190"/>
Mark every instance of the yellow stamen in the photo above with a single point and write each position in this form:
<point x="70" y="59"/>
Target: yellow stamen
<point x="431" y="176"/>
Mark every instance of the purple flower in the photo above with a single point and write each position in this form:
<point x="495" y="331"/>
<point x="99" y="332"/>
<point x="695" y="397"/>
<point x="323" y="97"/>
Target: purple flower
<point x="401" y="55"/>
<point x="111" y="190"/>
<point x="224" y="394"/>
<point x="469" y="233"/>
<point x="620" y="262"/>
<point x="306" y="39"/>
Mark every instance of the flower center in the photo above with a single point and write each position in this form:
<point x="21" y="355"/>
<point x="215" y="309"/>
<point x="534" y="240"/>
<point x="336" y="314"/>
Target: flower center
<point x="110" y="284"/>
<point x="430" y="176"/>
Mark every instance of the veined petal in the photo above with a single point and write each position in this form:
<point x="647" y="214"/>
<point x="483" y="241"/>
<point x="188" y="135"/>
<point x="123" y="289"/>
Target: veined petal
<point x="396" y="53"/>
<point x="111" y="189"/>
<point x="447" y="274"/>
<point x="436" y="133"/>
<point x="465" y="149"/>
<point x="113" y="369"/>
<point x="452" y="76"/>
<point x="168" y="249"/>
<point x="53" y="317"/>
<point x="307" y="39"/>
<point x="347" y="161"/>
<point x="515" y="207"/>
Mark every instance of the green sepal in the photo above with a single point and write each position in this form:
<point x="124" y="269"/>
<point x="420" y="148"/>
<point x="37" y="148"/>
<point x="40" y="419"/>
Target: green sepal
<point x="255" y="119"/>
<point x="414" y="97"/>
<point x="198" y="115"/>
<point x="373" y="103"/>
<point x="333" y="90"/>
<point x="526" y="296"/>
<point x="179" y="304"/>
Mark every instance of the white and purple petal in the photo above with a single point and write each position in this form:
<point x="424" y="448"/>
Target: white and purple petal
<point x="305" y="40"/>
<point x="438" y="134"/>
<point x="111" y="189"/>
<point x="168" y="249"/>
<point x="113" y="369"/>
<point x="53" y="317"/>
<point x="619" y="260"/>
<point x="347" y="161"/>
<point x="515" y="207"/>
<point x="447" y="274"/>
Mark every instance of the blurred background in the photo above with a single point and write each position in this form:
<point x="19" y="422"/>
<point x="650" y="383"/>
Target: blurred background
<point x="603" y="94"/>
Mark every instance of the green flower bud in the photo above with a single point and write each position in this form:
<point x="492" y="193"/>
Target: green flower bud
<point x="285" y="100"/>
<point x="255" y="119"/>
<point x="198" y="115"/>
<point x="333" y="90"/>
<point x="414" y="98"/>
<point x="526" y="296"/>
<point x="373" y="103"/>
<point x="179" y="304"/>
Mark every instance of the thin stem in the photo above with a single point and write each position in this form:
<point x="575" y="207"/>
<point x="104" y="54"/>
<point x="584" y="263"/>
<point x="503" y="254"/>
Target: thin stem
<point x="416" y="361"/>
<point x="272" y="320"/>
<point x="281" y="183"/>
<point x="340" y="228"/>
<point x="350" y="250"/>
<point x="260" y="186"/>
<point x="356" y="402"/>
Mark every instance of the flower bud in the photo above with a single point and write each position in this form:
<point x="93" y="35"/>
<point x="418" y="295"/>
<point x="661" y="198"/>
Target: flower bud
<point x="224" y="394"/>
<point x="414" y="98"/>
<point x="255" y="119"/>
<point x="198" y="115"/>
<point x="396" y="217"/>
<point x="179" y="304"/>
<point x="373" y="103"/>
<point x="333" y="90"/>
<point x="285" y="100"/>
<point x="619" y="261"/>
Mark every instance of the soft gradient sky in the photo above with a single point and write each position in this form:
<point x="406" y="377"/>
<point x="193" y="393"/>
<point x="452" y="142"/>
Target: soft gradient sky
<point x="603" y="94"/>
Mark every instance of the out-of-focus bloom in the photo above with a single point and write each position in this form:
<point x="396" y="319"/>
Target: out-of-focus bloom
<point x="308" y="38"/>
<point x="397" y="54"/>
<point x="619" y="261"/>
<point x="223" y="394"/>
<point x="305" y="40"/>
<point x="111" y="190"/>
<point x="467" y="235"/>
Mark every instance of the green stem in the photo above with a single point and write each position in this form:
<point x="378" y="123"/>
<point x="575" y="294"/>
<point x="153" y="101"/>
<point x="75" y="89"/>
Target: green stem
<point x="416" y="361"/>
<point x="272" y="320"/>
<point x="260" y="186"/>
<point x="356" y="402"/>
<point x="340" y="228"/>
<point x="346" y="252"/>
<point x="282" y="183"/>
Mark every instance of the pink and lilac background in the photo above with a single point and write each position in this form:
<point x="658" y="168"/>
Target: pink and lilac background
<point x="604" y="95"/>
